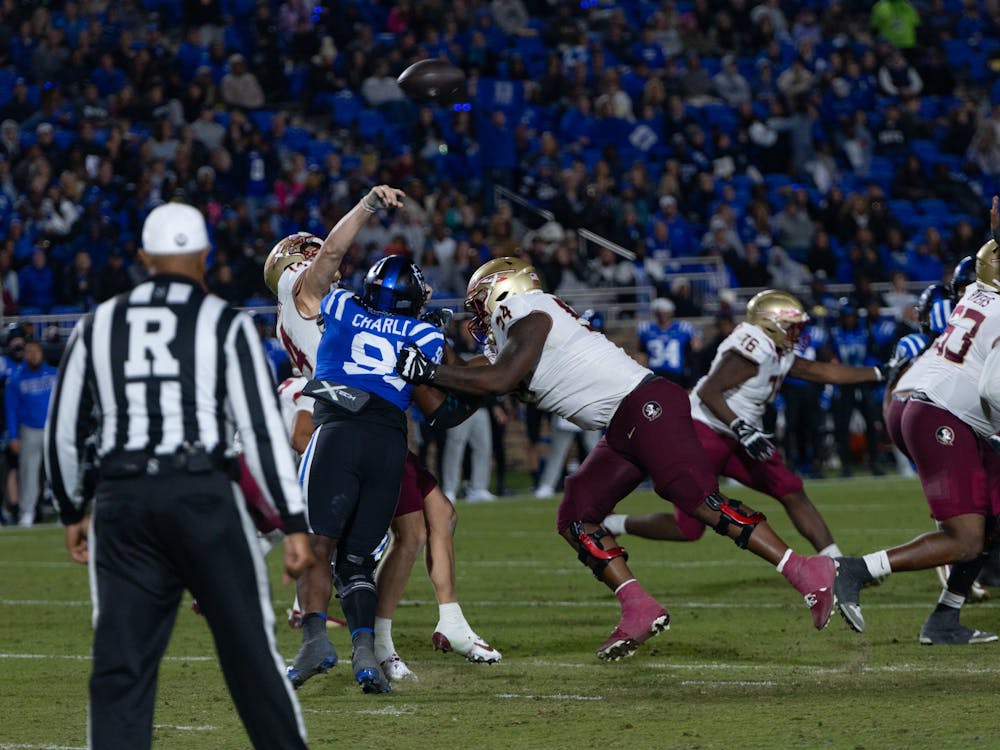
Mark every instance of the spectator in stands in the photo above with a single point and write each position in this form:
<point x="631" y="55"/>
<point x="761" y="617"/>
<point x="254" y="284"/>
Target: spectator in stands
<point x="381" y="87"/>
<point x="729" y="84"/>
<point x="113" y="278"/>
<point x="897" y="77"/>
<point x="240" y="87"/>
<point x="793" y="229"/>
<point x="696" y="84"/>
<point x="37" y="282"/>
<point x="984" y="150"/>
<point x="897" y="21"/>
<point x="20" y="107"/>
<point x="79" y="287"/>
<point x="899" y="298"/>
<point x="796" y="80"/>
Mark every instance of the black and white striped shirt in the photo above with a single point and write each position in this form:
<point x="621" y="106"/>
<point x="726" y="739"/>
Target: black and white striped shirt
<point x="160" y="366"/>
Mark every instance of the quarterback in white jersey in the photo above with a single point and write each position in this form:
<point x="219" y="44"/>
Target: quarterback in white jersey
<point x="728" y="408"/>
<point x="578" y="374"/>
<point x="949" y="427"/>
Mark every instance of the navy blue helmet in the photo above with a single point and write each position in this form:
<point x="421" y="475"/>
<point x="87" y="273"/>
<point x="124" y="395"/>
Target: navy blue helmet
<point x="963" y="275"/>
<point x="395" y="285"/>
<point x="934" y="309"/>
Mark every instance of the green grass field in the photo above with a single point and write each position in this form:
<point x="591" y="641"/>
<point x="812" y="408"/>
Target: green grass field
<point x="741" y="666"/>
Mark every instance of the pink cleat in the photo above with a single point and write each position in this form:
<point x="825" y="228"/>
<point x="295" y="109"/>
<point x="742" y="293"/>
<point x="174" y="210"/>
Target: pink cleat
<point x="641" y="619"/>
<point x="813" y="577"/>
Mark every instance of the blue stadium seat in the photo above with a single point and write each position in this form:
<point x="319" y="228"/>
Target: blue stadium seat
<point x="933" y="207"/>
<point x="346" y="108"/>
<point x="261" y="119"/>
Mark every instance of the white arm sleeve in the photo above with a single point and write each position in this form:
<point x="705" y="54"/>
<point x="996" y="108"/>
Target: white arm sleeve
<point x="989" y="379"/>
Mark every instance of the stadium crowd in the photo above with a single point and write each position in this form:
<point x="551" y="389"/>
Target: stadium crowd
<point x="802" y="143"/>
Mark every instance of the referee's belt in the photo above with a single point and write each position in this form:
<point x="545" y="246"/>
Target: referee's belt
<point x="193" y="460"/>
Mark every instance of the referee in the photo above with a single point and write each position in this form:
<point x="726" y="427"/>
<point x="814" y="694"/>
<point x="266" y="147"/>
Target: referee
<point x="160" y="377"/>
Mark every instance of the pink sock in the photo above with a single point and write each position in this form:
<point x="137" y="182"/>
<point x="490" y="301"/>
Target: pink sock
<point x="630" y="590"/>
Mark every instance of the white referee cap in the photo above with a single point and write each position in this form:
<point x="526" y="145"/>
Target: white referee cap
<point x="174" y="229"/>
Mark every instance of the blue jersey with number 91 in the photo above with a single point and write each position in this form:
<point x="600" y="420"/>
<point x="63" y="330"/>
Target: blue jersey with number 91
<point x="359" y="347"/>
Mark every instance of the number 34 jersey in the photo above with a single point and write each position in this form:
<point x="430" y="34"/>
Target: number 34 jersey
<point x="750" y="397"/>
<point x="581" y="375"/>
<point x="358" y="347"/>
<point x="948" y="371"/>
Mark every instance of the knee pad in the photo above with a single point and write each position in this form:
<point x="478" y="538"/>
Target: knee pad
<point x="731" y="515"/>
<point x="590" y="550"/>
<point x="354" y="573"/>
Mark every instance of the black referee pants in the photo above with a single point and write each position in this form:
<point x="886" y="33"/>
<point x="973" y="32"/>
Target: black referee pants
<point x="150" y="539"/>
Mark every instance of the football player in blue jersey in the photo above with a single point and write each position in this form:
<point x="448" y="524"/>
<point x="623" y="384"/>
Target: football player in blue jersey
<point x="352" y="469"/>
<point x="665" y="344"/>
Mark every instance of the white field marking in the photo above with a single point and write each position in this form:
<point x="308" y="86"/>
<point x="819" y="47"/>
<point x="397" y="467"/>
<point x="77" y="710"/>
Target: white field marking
<point x="556" y="697"/>
<point x="796" y="668"/>
<point x="732" y="683"/>
<point x="39" y="564"/>
<point x="186" y="728"/>
<point x="25" y="746"/>
<point x="387" y="711"/>
<point x="45" y="602"/>
<point x="86" y="657"/>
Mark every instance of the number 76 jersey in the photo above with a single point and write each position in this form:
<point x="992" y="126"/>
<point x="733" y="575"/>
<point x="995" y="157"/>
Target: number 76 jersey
<point x="749" y="399"/>
<point x="948" y="371"/>
<point x="359" y="347"/>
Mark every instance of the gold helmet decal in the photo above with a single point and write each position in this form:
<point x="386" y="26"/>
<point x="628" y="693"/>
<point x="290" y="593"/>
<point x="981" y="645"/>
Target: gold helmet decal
<point x="988" y="266"/>
<point x="300" y="247"/>
<point x="780" y="315"/>
<point x="492" y="283"/>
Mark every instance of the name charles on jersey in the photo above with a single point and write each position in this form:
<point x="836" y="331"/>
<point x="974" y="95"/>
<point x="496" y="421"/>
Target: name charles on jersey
<point x="398" y="326"/>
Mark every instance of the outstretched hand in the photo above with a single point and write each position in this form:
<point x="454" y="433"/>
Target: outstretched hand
<point x="995" y="218"/>
<point x="383" y="196"/>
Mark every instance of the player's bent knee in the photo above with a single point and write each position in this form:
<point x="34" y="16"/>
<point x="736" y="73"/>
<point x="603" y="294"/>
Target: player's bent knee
<point x="691" y="528"/>
<point x="732" y="513"/>
<point x="590" y="548"/>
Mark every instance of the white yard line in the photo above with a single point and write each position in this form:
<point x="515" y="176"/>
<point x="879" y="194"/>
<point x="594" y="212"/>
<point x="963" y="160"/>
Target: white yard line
<point x="28" y="746"/>
<point x="186" y="728"/>
<point x="556" y="697"/>
<point x="86" y="657"/>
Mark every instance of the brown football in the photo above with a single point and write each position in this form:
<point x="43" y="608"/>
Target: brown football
<point x="434" y="80"/>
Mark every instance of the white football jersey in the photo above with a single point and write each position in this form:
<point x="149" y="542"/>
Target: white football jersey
<point x="750" y="397"/>
<point x="581" y="376"/>
<point x="299" y="335"/>
<point x="292" y="401"/>
<point x="948" y="371"/>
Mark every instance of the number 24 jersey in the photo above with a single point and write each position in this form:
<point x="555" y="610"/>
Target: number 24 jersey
<point x="948" y="371"/>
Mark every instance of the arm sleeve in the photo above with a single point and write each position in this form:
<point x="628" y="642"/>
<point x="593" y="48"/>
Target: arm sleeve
<point x="253" y="403"/>
<point x="430" y="342"/>
<point x="68" y="409"/>
<point x="989" y="379"/>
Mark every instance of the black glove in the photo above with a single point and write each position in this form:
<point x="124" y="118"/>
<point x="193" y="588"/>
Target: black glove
<point x="882" y="372"/>
<point x="440" y="319"/>
<point x="756" y="443"/>
<point x="413" y="366"/>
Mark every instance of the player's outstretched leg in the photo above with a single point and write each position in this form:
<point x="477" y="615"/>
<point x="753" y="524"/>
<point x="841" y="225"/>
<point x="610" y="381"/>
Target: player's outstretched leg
<point x="453" y="633"/>
<point x="812" y="576"/>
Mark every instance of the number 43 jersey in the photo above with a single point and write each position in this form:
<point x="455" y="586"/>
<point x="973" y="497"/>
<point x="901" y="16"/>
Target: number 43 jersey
<point x="948" y="371"/>
<point x="750" y="397"/>
<point x="358" y="347"/>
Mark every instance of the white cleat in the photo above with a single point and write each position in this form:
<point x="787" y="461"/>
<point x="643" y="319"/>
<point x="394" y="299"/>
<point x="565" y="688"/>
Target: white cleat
<point x="544" y="492"/>
<point x="395" y="669"/>
<point x="467" y="644"/>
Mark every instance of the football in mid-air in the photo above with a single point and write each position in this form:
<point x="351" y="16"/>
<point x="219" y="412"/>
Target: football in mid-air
<point x="434" y="80"/>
